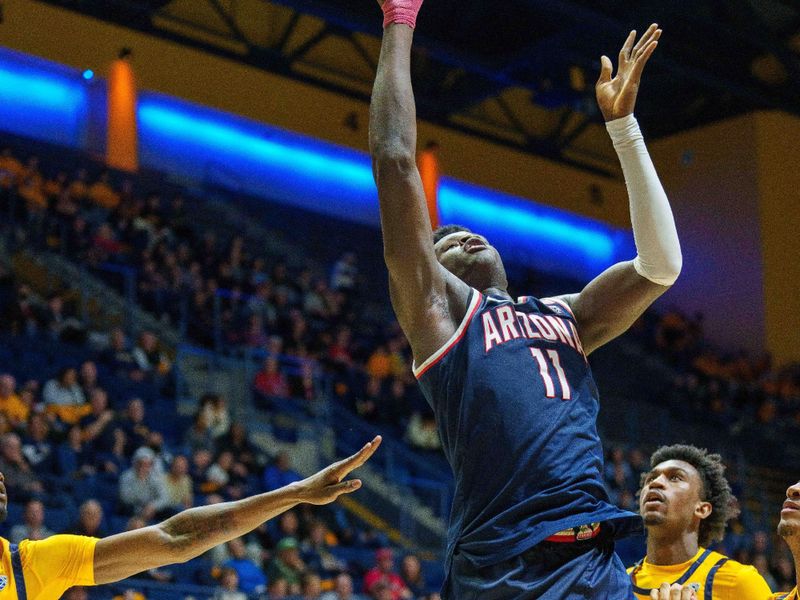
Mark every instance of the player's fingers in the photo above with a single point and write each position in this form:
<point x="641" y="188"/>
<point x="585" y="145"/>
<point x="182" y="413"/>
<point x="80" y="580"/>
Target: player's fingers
<point x="645" y="39"/>
<point x="606" y="69"/>
<point x="345" y="487"/>
<point x="638" y="67"/>
<point x="645" y="42"/>
<point x="625" y="53"/>
<point x="359" y="458"/>
<point x="676" y="592"/>
<point x="688" y="594"/>
<point x="662" y="593"/>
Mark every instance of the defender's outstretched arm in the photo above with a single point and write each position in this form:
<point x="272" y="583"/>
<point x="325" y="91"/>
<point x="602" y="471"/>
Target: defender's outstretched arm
<point x="418" y="284"/>
<point x="192" y="532"/>
<point x="610" y="303"/>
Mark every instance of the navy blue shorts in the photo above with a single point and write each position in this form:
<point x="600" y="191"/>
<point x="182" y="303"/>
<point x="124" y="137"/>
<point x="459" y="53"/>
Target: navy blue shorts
<point x="549" y="571"/>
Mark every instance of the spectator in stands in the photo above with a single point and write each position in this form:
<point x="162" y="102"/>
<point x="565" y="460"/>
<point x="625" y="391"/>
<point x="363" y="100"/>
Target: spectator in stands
<point x="134" y="426"/>
<point x="118" y="357"/>
<point x="215" y="409"/>
<point x="64" y="398"/>
<point x="90" y="520"/>
<point x="23" y="317"/>
<point x="382" y="591"/>
<point x="366" y="404"/>
<point x="87" y="378"/>
<point x="229" y="586"/>
<point x="74" y="458"/>
<point x="345" y="273"/>
<point x="32" y="526"/>
<point x="102" y="194"/>
<point x="342" y="589"/>
<point x="11" y="405"/>
<point x="270" y="381"/>
<point x="97" y="428"/>
<point x="141" y="490"/>
<point x="383" y="575"/>
<point x="278" y="589"/>
<point x="422" y="433"/>
<point x="413" y="578"/>
<point x="287" y="564"/>
<point x="251" y="577"/>
<point x="59" y="323"/>
<point x="22" y="483"/>
<point x="198" y="437"/>
<point x="179" y="484"/>
<point x="280" y="473"/>
<point x="149" y="357"/>
<point x="311" y="586"/>
<point x="116" y="461"/>
<point x="37" y="448"/>
<point x="315" y="551"/>
<point x="236" y="441"/>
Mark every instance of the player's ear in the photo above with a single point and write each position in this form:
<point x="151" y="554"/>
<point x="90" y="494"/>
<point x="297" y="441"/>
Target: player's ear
<point x="703" y="510"/>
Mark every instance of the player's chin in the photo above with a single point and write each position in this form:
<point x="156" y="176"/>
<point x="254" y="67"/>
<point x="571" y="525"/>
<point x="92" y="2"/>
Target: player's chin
<point x="652" y="518"/>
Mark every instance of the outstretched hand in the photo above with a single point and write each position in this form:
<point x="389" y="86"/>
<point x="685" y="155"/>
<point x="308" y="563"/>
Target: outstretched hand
<point x="617" y="96"/>
<point x="327" y="485"/>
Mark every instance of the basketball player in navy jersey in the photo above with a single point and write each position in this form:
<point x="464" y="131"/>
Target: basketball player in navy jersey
<point x="508" y="380"/>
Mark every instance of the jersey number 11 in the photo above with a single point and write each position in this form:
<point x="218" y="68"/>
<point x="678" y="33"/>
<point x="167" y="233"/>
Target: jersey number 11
<point x="544" y="371"/>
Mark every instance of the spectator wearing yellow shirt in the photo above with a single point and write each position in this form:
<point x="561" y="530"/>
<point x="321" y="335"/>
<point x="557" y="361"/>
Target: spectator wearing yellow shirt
<point x="685" y="502"/>
<point x="64" y="398"/>
<point x="11" y="405"/>
<point x="379" y="363"/>
<point x="44" y="570"/>
<point x="102" y="194"/>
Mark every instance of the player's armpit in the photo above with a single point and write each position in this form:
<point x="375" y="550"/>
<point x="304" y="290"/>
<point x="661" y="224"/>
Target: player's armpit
<point x="611" y="303"/>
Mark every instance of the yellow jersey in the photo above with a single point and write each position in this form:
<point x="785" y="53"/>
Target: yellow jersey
<point x="44" y="570"/>
<point x="793" y="595"/>
<point x="712" y="575"/>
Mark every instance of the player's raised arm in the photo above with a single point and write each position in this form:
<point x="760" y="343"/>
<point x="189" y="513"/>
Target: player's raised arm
<point x="610" y="303"/>
<point x="192" y="532"/>
<point x="418" y="283"/>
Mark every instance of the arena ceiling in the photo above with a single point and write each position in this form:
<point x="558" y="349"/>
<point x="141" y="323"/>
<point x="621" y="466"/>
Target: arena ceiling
<point x="522" y="76"/>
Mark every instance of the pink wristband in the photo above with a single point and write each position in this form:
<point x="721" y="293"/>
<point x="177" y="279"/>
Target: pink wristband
<point x="401" y="11"/>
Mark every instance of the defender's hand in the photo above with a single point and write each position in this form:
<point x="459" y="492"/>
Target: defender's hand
<point x="673" y="592"/>
<point x="617" y="97"/>
<point x="327" y="485"/>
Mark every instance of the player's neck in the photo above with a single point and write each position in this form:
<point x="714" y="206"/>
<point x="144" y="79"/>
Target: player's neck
<point x="671" y="550"/>
<point x="794" y="546"/>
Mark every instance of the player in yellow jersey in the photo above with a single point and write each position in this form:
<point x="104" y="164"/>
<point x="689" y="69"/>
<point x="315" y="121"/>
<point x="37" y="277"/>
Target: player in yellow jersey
<point x="43" y="570"/>
<point x="685" y="502"/>
<point x="789" y="530"/>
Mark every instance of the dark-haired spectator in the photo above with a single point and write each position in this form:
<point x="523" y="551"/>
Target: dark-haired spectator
<point x="87" y="378"/>
<point x="32" y="526"/>
<point x="278" y="589"/>
<point x="383" y="574"/>
<point x="280" y="473"/>
<point x="23" y="318"/>
<point x="64" y="398"/>
<point x="90" y="520"/>
<point x="74" y="457"/>
<point x="97" y="427"/>
<point x="251" y="577"/>
<point x="229" y="586"/>
<point x="198" y="436"/>
<point x="116" y="460"/>
<point x="287" y="564"/>
<point x="59" y="323"/>
<point x="142" y="490"/>
<point x="134" y="426"/>
<point x="345" y="273"/>
<point x="237" y="442"/>
<point x="316" y="552"/>
<point x="118" y="356"/>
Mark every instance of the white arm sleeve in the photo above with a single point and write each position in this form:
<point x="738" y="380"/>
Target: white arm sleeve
<point x="659" y="251"/>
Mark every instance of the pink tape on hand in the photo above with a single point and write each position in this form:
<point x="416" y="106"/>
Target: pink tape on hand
<point x="401" y="11"/>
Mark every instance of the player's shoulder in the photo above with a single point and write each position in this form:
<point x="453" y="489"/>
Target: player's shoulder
<point x="736" y="575"/>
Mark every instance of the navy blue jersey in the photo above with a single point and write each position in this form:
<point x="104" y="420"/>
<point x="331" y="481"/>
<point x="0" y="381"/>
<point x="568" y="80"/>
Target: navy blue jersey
<point x="516" y="406"/>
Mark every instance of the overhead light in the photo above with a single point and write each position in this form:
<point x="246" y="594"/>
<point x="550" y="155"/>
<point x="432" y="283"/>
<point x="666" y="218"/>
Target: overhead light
<point x="88" y="74"/>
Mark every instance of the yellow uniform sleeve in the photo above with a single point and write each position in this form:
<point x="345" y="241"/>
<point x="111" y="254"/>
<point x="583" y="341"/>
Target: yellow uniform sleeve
<point x="785" y="595"/>
<point x="54" y="565"/>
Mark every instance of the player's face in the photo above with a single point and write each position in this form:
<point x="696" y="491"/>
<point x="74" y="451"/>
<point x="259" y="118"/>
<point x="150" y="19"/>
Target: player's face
<point x="471" y="258"/>
<point x="3" y="499"/>
<point x="789" y="525"/>
<point x="671" y="496"/>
